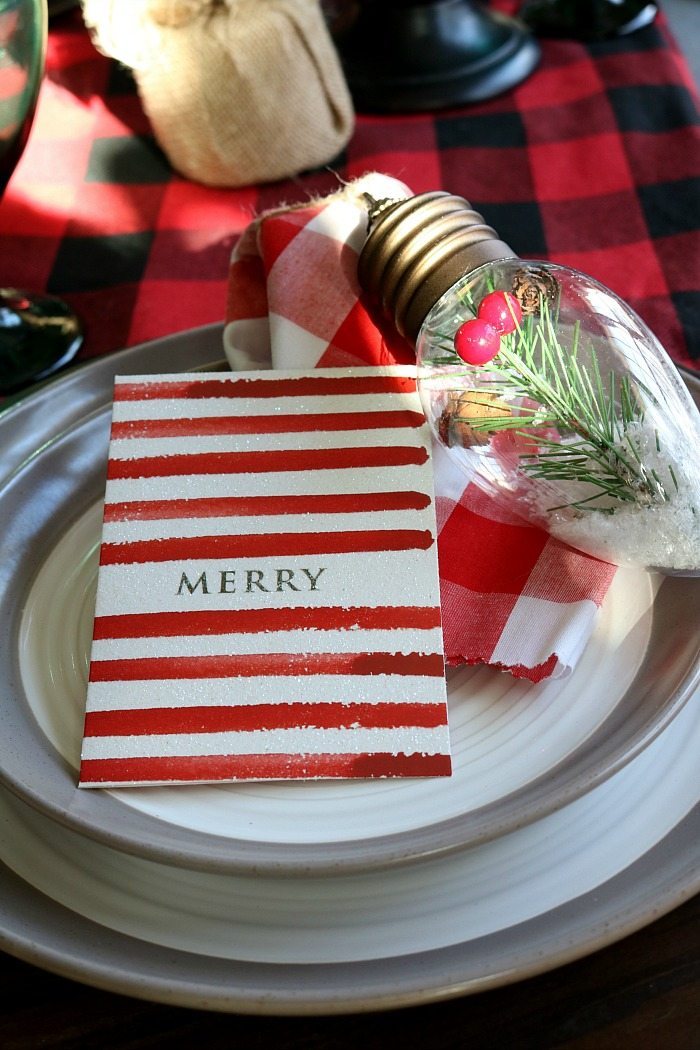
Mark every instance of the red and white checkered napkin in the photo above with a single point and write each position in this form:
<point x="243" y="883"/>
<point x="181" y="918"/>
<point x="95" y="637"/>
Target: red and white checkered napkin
<point x="511" y="596"/>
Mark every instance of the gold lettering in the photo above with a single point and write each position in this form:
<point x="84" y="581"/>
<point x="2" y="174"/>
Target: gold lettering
<point x="284" y="579"/>
<point x="313" y="580"/>
<point x="192" y="587"/>
<point x="253" y="579"/>
<point x="228" y="577"/>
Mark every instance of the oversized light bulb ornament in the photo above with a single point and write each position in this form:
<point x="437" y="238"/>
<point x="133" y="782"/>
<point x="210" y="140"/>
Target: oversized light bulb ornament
<point x="547" y="389"/>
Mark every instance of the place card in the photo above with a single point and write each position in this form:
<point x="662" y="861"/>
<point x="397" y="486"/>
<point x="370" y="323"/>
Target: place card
<point x="268" y="598"/>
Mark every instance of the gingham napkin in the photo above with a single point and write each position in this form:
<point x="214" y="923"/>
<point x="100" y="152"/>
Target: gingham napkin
<point x="512" y="597"/>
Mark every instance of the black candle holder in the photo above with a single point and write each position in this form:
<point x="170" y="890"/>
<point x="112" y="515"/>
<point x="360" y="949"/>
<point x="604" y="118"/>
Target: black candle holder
<point x="587" y="19"/>
<point x="400" y="55"/>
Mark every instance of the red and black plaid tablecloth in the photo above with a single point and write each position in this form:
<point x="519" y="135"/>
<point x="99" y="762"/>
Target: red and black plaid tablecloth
<point x="593" y="161"/>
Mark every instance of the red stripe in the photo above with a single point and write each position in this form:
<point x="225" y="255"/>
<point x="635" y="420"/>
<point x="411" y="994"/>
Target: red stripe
<point x="259" y="664"/>
<point x="232" y="506"/>
<point x="263" y="545"/>
<point x="292" y="387"/>
<point x="260" y="767"/>
<point x="248" y="621"/>
<point x="248" y="717"/>
<point x="267" y="424"/>
<point x="271" y="461"/>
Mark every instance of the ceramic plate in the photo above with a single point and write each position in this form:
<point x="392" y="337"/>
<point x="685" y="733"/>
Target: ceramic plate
<point x="520" y="751"/>
<point x="573" y="881"/>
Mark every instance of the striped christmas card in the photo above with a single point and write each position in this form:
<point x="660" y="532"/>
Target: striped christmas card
<point x="268" y="598"/>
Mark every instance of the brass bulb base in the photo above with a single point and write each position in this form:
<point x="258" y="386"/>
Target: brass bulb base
<point x="418" y="248"/>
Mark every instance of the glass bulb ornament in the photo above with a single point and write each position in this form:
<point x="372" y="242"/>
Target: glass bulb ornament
<point x="548" y="391"/>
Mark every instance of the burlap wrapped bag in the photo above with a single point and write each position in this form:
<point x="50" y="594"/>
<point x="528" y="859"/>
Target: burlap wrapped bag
<point x="237" y="91"/>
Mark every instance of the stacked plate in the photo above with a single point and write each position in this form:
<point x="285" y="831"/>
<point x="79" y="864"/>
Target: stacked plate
<point x="571" y="817"/>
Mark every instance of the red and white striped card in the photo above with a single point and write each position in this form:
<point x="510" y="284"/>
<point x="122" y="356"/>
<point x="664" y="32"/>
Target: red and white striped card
<point x="268" y="599"/>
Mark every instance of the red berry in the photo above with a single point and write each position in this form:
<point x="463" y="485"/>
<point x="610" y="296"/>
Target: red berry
<point x="501" y="310"/>
<point x="477" y="342"/>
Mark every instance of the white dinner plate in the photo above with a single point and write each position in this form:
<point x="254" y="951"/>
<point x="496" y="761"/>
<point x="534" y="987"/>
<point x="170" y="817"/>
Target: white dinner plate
<point x="520" y="751"/>
<point x="567" y="884"/>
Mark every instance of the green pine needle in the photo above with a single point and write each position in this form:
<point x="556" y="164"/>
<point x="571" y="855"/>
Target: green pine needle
<point x="593" y="414"/>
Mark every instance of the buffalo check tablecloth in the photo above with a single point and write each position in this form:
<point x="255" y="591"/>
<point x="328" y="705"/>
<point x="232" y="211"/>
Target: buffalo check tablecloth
<point x="592" y="161"/>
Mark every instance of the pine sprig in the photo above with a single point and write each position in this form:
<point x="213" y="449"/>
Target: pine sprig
<point x="598" y="418"/>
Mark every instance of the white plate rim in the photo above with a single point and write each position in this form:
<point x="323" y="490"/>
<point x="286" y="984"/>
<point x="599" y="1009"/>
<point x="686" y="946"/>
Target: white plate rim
<point x="84" y="393"/>
<point x="44" y="933"/>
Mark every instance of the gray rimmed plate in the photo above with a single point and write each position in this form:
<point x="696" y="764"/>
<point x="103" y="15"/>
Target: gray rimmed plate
<point x="580" y="878"/>
<point x="520" y="751"/>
